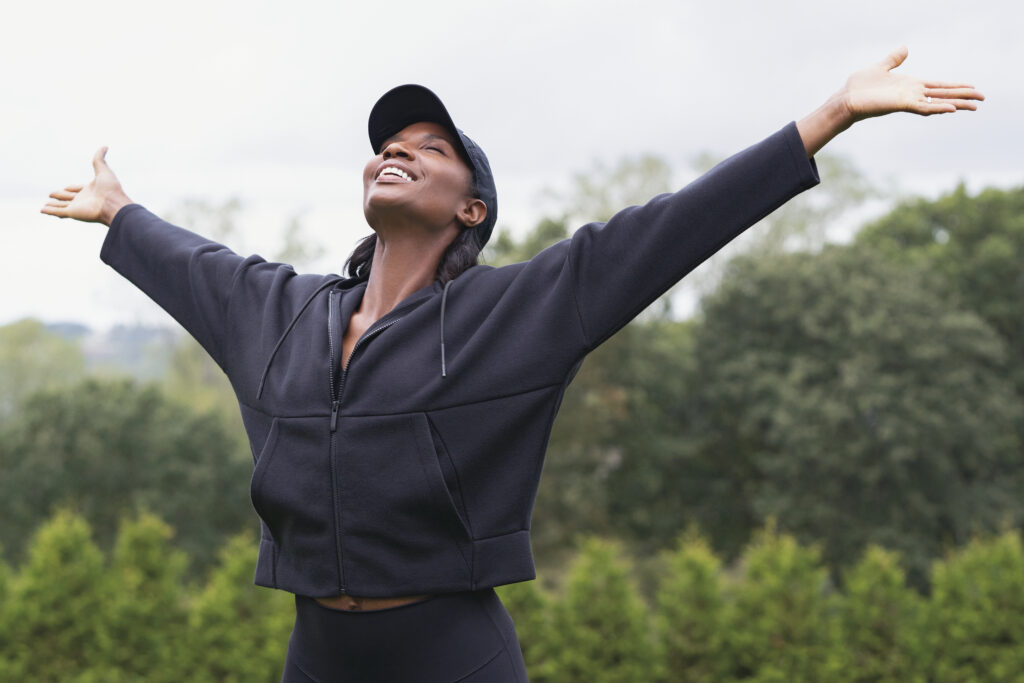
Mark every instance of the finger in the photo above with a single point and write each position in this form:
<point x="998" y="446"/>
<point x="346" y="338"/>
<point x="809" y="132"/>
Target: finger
<point x="62" y="194"/>
<point x="51" y="210"/>
<point x="98" y="159"/>
<point x="963" y="104"/>
<point x="74" y="188"/>
<point x="954" y="93"/>
<point x="895" y="58"/>
<point x="934" y="107"/>
<point x="946" y="84"/>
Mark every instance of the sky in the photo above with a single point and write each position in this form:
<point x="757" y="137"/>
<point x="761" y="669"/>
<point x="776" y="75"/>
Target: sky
<point x="267" y="102"/>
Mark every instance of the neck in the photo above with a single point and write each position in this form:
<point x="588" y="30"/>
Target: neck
<point x="401" y="266"/>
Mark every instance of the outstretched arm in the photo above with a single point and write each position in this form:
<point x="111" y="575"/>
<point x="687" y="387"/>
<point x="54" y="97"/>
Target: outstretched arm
<point x="878" y="90"/>
<point x="97" y="202"/>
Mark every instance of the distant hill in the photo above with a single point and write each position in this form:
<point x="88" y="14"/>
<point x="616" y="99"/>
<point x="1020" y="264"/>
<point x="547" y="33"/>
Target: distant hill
<point x="142" y="351"/>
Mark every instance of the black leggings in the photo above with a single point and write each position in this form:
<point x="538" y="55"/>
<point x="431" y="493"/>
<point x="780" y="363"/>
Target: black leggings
<point x="464" y="637"/>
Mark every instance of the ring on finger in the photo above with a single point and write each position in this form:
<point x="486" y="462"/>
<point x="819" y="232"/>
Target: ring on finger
<point x="928" y="100"/>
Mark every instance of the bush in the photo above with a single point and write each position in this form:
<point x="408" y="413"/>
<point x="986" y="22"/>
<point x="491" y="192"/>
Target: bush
<point x="977" y="611"/>
<point x="781" y="623"/>
<point x="57" y="614"/>
<point x="883" y="627"/>
<point x="691" y="609"/>
<point x="530" y="607"/>
<point x="237" y="631"/>
<point x="603" y="633"/>
<point x="148" y="614"/>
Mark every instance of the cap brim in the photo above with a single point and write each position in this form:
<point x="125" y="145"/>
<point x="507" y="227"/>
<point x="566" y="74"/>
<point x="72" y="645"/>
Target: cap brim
<point x="405" y="105"/>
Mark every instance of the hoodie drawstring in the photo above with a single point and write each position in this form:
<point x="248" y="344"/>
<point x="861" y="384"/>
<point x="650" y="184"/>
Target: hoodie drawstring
<point x="295" y="319"/>
<point x="444" y="299"/>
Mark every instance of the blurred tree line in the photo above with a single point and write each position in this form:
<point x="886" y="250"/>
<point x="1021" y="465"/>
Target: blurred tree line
<point x="864" y="394"/>
<point x="73" y="613"/>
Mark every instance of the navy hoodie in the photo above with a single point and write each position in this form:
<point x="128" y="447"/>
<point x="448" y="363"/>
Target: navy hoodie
<point x="415" y="469"/>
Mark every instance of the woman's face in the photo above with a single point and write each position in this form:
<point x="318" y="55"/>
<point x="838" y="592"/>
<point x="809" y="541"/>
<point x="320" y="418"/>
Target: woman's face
<point x="418" y="174"/>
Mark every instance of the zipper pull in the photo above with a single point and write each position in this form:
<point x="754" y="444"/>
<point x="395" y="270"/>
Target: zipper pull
<point x="334" y="415"/>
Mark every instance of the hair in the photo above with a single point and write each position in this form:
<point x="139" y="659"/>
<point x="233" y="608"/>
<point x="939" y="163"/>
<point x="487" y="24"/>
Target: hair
<point x="462" y="254"/>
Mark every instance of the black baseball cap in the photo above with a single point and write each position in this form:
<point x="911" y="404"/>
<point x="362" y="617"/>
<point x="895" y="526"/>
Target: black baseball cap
<point x="408" y="104"/>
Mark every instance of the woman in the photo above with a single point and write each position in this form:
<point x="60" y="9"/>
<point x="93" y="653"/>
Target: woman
<point x="398" y="418"/>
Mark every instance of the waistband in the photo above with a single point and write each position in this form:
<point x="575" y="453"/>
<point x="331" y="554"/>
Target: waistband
<point x="449" y="635"/>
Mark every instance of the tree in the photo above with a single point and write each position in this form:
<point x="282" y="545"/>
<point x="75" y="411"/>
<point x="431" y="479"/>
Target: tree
<point x="977" y="612"/>
<point x="194" y="380"/>
<point x="883" y="622"/>
<point x="839" y="394"/>
<point x="805" y="223"/>
<point x="603" y="635"/>
<point x="148" y="614"/>
<point x="56" y="616"/>
<point x="237" y="631"/>
<point x="780" y="625"/>
<point x="110" y="447"/>
<point x="691" y="612"/>
<point x="976" y="245"/>
<point x="31" y="359"/>
<point x="6" y="649"/>
<point x="651" y="489"/>
<point x="530" y="607"/>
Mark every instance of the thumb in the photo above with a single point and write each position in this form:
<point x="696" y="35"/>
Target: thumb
<point x="895" y="58"/>
<point x="98" y="161"/>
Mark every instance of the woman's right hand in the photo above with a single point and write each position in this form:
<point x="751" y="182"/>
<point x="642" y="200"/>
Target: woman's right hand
<point x="97" y="202"/>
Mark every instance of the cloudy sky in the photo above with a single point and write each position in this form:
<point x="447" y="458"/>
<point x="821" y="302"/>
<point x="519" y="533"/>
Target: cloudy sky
<point x="214" y="100"/>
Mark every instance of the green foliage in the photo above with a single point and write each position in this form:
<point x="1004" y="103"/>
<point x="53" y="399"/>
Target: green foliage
<point x="67" y="615"/>
<point x="147" y="607"/>
<point x="237" y="631"/>
<point x="691" y="612"/>
<point x="601" y="191"/>
<point x="594" y="195"/>
<point x="651" y="488"/>
<point x="780" y="623"/>
<point x="883" y="622"/>
<point x="31" y="359"/>
<point x="504" y="249"/>
<point x="977" y="612"/>
<point x="531" y="610"/>
<point x="976" y="246"/>
<point x="840" y="394"/>
<point x="6" y="651"/>
<point x="603" y="634"/>
<point x="110" y="447"/>
<point x="805" y="223"/>
<point x="194" y="380"/>
<point x="57" y="614"/>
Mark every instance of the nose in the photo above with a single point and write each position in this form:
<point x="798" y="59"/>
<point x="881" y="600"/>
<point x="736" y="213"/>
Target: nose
<point x="395" y="148"/>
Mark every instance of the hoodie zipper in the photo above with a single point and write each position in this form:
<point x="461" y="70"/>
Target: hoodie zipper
<point x="337" y="390"/>
<point x="331" y="316"/>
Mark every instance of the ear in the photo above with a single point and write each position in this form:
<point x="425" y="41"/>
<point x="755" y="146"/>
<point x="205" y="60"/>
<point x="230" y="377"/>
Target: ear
<point x="472" y="213"/>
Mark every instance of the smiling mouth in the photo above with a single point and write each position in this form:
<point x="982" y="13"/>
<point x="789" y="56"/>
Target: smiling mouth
<point x="389" y="172"/>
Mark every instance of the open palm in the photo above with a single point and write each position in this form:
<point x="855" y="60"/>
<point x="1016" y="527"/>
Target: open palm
<point x="878" y="90"/>
<point x="87" y="202"/>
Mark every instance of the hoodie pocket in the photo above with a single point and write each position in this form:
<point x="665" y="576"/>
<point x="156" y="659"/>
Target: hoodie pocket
<point x="398" y="520"/>
<point x="291" y="492"/>
<point x="449" y="476"/>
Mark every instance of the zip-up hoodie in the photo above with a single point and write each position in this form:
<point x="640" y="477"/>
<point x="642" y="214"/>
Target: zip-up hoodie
<point x="415" y="469"/>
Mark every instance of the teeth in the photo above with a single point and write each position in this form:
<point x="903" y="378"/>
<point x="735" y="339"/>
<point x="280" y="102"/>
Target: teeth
<point x="395" y="171"/>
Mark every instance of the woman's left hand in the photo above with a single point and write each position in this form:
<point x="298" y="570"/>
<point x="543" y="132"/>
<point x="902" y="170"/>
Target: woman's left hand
<point x="878" y="90"/>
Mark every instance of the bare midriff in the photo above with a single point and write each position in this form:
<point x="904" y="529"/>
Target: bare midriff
<point x="354" y="603"/>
